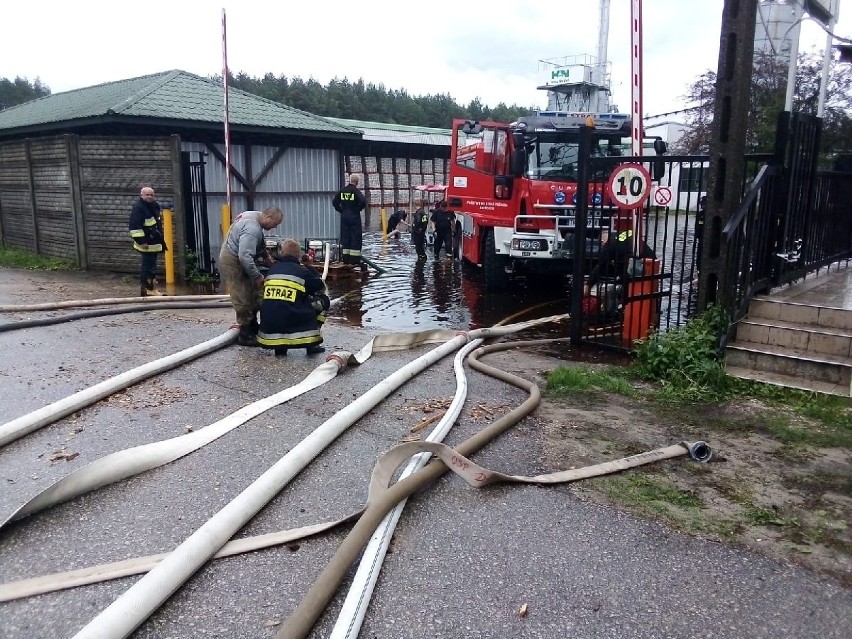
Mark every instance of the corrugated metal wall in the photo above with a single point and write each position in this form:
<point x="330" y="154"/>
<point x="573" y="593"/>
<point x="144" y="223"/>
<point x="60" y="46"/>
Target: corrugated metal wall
<point x="302" y="183"/>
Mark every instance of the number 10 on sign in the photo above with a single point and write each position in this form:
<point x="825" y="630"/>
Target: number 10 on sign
<point x="629" y="186"/>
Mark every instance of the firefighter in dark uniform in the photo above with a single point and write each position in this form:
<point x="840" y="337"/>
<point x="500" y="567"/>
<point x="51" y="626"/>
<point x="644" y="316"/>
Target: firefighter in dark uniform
<point x="614" y="264"/>
<point x="418" y="232"/>
<point x="399" y="217"/>
<point x="294" y="304"/>
<point x="442" y="223"/>
<point x="146" y="231"/>
<point x="349" y="202"/>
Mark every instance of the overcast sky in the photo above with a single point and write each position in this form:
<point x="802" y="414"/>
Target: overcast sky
<point x="475" y="48"/>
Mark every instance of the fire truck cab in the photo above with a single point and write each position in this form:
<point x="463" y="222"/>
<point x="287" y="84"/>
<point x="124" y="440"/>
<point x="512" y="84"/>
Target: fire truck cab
<point x="513" y="187"/>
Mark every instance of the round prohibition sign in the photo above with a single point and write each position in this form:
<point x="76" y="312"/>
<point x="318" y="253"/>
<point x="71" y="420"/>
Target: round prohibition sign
<point x="629" y="185"/>
<point x="662" y="196"/>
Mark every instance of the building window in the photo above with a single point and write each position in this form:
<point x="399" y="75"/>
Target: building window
<point x="693" y="179"/>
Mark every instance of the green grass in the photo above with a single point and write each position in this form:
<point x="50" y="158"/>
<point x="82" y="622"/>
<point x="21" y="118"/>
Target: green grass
<point x="568" y="380"/>
<point x="684" y="372"/>
<point x="13" y="257"/>
<point x="655" y="497"/>
<point x="763" y="517"/>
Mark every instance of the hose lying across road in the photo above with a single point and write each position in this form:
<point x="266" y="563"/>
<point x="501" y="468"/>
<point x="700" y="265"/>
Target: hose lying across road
<point x="109" y="301"/>
<point x="169" y="571"/>
<point x="10" y="431"/>
<point x="127" y="612"/>
<point x="133" y="461"/>
<point x="383" y="499"/>
<point x="117" y="310"/>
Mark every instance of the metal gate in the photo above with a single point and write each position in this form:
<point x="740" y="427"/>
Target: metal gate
<point x="655" y="286"/>
<point x="197" y="237"/>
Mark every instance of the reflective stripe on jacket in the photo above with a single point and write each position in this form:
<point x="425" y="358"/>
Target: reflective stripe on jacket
<point x="288" y="315"/>
<point x="145" y="227"/>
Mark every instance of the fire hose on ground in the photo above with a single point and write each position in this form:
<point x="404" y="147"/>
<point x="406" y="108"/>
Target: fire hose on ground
<point x="116" y="310"/>
<point x="138" y="459"/>
<point x="476" y="476"/>
<point x="26" y="424"/>
<point x="382" y="500"/>
<point x="131" y="609"/>
<point x="10" y="431"/>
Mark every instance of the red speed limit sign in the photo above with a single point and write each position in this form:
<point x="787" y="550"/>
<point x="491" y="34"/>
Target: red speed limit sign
<point x="629" y="185"/>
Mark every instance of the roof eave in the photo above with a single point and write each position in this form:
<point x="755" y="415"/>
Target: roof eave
<point x="200" y="125"/>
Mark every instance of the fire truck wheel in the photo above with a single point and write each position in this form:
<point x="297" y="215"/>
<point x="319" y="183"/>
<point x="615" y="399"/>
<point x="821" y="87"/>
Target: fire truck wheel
<point x="493" y="265"/>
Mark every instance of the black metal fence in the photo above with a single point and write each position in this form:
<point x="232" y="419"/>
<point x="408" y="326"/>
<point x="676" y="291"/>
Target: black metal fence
<point x="197" y="222"/>
<point x="793" y="220"/>
<point x="659" y="292"/>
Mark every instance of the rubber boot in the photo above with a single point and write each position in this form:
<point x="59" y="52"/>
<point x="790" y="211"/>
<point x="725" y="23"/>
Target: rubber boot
<point x="150" y="288"/>
<point x="316" y="349"/>
<point x="246" y="338"/>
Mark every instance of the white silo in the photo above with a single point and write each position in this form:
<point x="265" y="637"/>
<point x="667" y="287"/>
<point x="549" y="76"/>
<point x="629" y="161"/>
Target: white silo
<point x="777" y="27"/>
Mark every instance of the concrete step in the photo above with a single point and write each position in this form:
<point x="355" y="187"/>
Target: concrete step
<point x="787" y="381"/>
<point x="834" y="369"/>
<point x="803" y="338"/>
<point x="824" y="317"/>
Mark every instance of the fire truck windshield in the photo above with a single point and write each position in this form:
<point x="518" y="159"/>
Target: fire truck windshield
<point x="554" y="157"/>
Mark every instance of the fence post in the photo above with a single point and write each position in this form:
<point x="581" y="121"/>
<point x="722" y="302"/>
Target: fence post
<point x="72" y="150"/>
<point x="31" y="181"/>
<point x="727" y="146"/>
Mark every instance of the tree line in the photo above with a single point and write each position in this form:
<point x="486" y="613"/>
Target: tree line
<point x="20" y="90"/>
<point x="375" y="102"/>
<point x="372" y="102"/>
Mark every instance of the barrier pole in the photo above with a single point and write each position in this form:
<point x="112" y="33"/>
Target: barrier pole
<point x="169" y="257"/>
<point x="226" y="220"/>
<point x="384" y="225"/>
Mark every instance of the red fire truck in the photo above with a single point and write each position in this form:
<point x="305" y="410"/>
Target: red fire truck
<point x="513" y="188"/>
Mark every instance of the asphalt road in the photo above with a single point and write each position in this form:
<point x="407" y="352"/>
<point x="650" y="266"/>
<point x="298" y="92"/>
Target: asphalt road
<point x="463" y="562"/>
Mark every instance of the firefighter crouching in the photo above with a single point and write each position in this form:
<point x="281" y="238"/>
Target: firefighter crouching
<point x="294" y="304"/>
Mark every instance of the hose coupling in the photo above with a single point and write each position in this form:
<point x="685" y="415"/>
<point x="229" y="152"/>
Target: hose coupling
<point x="700" y="451"/>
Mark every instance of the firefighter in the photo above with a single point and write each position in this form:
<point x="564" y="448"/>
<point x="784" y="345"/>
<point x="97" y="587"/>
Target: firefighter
<point x="242" y="252"/>
<point x="294" y="304"/>
<point x="146" y="231"/>
<point x="442" y="223"/>
<point x="615" y="263"/>
<point x="399" y="217"/>
<point x="418" y="232"/>
<point x="349" y="202"/>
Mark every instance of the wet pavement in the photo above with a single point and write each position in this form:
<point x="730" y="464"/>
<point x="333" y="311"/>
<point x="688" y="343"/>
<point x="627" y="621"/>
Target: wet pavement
<point x="462" y="562"/>
<point x="830" y="288"/>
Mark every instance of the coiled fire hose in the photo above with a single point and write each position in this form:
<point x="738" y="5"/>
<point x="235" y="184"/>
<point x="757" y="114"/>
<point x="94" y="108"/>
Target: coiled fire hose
<point x="131" y="609"/>
<point x="381" y="500"/>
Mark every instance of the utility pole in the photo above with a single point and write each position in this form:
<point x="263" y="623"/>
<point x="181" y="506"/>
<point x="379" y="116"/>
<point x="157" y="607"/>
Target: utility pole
<point x="727" y="146"/>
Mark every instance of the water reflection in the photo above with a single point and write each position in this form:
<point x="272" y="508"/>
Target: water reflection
<point x="416" y="295"/>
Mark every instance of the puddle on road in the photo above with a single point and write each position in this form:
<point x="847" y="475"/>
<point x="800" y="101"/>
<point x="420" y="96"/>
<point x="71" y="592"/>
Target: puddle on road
<point x="416" y="295"/>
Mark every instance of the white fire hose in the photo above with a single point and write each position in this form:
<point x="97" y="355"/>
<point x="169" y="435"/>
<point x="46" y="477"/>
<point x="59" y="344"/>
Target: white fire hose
<point x="131" y="609"/>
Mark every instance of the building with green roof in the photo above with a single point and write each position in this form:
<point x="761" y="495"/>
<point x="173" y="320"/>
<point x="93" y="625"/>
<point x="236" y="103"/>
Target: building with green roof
<point x="72" y="164"/>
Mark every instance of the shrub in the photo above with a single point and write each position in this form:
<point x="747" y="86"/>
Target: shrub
<point x="685" y="360"/>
